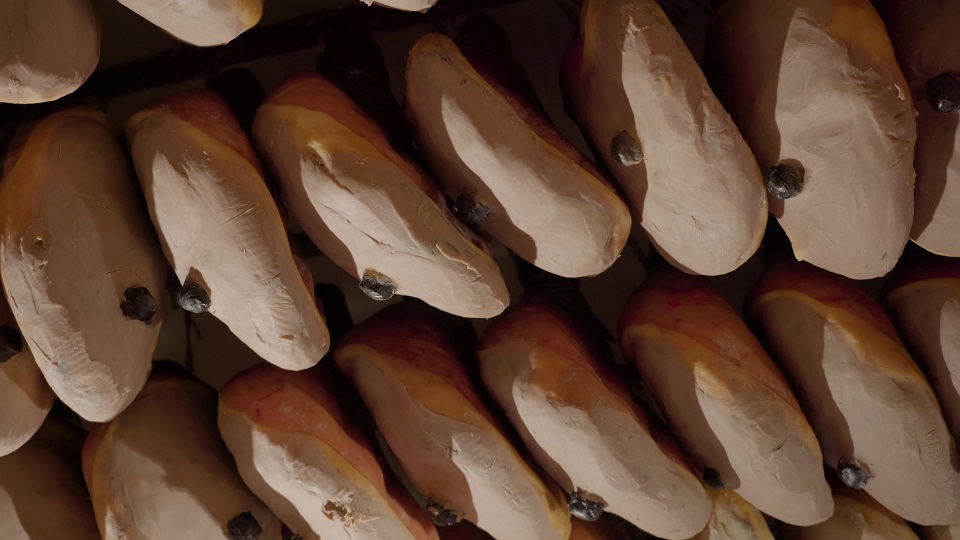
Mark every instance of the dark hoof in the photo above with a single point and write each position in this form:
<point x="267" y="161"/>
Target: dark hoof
<point x="943" y="92"/>
<point x="583" y="509"/>
<point x="442" y="517"/>
<point x="852" y="475"/>
<point x="244" y="527"/>
<point x="377" y="286"/>
<point x="193" y="297"/>
<point x="625" y="149"/>
<point x="470" y="210"/>
<point x="138" y="304"/>
<point x="784" y="181"/>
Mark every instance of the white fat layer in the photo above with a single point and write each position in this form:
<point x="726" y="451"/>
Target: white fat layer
<point x="307" y="484"/>
<point x="74" y="238"/>
<point x="880" y="420"/>
<point x="203" y="23"/>
<point x="698" y="193"/>
<point x="365" y="213"/>
<point x="218" y="225"/>
<point x="466" y="468"/>
<point x="162" y="471"/>
<point x="544" y="206"/>
<point x="735" y="426"/>
<point x="603" y="450"/>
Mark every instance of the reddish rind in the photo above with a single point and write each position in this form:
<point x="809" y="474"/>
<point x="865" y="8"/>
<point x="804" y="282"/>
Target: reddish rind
<point x="207" y="112"/>
<point x="367" y="207"/>
<point x="828" y="289"/>
<point x="564" y="375"/>
<point x="314" y="92"/>
<point x="447" y="442"/>
<point x="728" y="403"/>
<point x="417" y="335"/>
<point x="824" y="329"/>
<point x="303" y="403"/>
<point x="217" y="224"/>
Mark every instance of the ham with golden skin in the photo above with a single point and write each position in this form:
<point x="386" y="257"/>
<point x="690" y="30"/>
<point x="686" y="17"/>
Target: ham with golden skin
<point x="41" y="487"/>
<point x="855" y="517"/>
<point x="541" y="197"/>
<point x="297" y="451"/>
<point x="877" y="419"/>
<point x="723" y="397"/>
<point x="814" y="86"/>
<point x="220" y="228"/>
<point x="48" y="48"/>
<point x="924" y="303"/>
<point x="204" y="23"/>
<point x="369" y="209"/>
<point x="160" y="470"/>
<point x="25" y="396"/>
<point x="580" y="423"/>
<point x="927" y="46"/>
<point x="691" y="180"/>
<point x="734" y="519"/>
<point x="403" y="362"/>
<point x="80" y="263"/>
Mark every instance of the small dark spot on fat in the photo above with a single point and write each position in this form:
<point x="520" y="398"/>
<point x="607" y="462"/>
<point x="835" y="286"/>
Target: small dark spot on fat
<point x="244" y="527"/>
<point x="625" y="149"/>
<point x="377" y="286"/>
<point x="138" y="304"/>
<point x="193" y="297"/>
<point x="11" y="343"/>
<point x="584" y="509"/>
<point x="784" y="181"/>
<point x="852" y="475"/>
<point x="711" y="477"/>
<point x="470" y="210"/>
<point x="441" y="516"/>
<point x="943" y="92"/>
